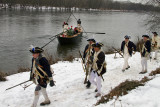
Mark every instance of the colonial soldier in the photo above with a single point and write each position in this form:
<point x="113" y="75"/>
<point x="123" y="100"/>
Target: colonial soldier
<point x="145" y="52"/>
<point x="98" y="68"/>
<point x="79" y="24"/>
<point x="88" y="58"/>
<point x="40" y="75"/>
<point x="127" y="47"/>
<point x="155" y="43"/>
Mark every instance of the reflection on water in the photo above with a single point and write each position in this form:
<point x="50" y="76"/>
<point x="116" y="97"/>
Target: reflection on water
<point x="19" y="29"/>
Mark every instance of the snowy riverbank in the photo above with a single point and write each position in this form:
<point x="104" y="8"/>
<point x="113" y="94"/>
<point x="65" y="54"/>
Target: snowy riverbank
<point x="71" y="92"/>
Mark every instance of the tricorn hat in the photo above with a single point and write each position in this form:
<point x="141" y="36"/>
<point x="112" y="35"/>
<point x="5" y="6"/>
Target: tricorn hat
<point x="97" y="45"/>
<point x="36" y="50"/>
<point x="127" y="37"/>
<point x="145" y="36"/>
<point x="155" y="33"/>
<point x="93" y="40"/>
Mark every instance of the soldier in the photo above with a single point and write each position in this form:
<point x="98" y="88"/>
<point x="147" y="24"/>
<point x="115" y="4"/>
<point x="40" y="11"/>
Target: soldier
<point x="40" y="75"/>
<point x="127" y="47"/>
<point x="88" y="57"/>
<point x="98" y="68"/>
<point x="145" y="52"/>
<point x="155" y="43"/>
<point x="79" y="24"/>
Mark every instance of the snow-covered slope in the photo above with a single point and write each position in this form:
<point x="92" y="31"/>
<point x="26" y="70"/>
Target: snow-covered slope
<point x="70" y="90"/>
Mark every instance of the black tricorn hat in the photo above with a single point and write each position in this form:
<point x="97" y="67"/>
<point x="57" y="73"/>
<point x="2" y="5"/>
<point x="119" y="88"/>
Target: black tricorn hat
<point x="155" y="33"/>
<point x="127" y="37"/>
<point x="93" y="40"/>
<point x="145" y="36"/>
<point x="97" y="45"/>
<point x="36" y="50"/>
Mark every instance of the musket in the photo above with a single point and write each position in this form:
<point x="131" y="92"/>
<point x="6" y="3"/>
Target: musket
<point x="17" y="85"/>
<point x="84" y="67"/>
<point x="117" y="51"/>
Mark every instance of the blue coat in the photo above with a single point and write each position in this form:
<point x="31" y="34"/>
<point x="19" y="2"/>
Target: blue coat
<point x="85" y="53"/>
<point x="147" y="45"/>
<point x="44" y="65"/>
<point x="131" y="46"/>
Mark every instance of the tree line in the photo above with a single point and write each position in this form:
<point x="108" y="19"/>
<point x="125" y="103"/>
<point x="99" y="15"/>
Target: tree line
<point x="87" y="4"/>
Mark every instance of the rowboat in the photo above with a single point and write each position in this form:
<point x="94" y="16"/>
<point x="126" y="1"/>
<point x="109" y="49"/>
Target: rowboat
<point x="67" y="39"/>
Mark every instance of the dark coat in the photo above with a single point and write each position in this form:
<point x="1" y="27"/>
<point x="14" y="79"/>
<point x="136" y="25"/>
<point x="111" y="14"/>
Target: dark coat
<point x="100" y="61"/>
<point x="79" y="22"/>
<point x="43" y="64"/>
<point x="147" y="45"/>
<point x="85" y="53"/>
<point x="131" y="46"/>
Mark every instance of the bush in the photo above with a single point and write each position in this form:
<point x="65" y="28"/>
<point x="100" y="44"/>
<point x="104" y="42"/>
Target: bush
<point x="122" y="89"/>
<point x="23" y="69"/>
<point x="2" y="76"/>
<point x="69" y="58"/>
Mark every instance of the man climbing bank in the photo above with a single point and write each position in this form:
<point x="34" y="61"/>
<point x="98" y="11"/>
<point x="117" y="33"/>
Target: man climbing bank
<point x="128" y="48"/>
<point x="88" y="55"/>
<point x="40" y="75"/>
<point x="98" y="68"/>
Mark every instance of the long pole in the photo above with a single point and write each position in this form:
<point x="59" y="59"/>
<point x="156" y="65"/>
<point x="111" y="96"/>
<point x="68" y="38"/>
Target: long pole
<point x="17" y="85"/>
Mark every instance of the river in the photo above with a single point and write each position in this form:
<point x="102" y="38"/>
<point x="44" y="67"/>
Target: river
<point x="21" y="28"/>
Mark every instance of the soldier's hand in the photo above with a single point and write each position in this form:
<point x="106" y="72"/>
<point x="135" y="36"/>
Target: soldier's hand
<point x="134" y="52"/>
<point x="52" y="83"/>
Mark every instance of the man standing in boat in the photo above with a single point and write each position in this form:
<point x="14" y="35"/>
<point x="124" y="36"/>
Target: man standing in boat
<point x="127" y="47"/>
<point x="88" y="57"/>
<point x="40" y="75"/>
<point x="79" y="24"/>
<point x="155" y="43"/>
<point x="98" y="68"/>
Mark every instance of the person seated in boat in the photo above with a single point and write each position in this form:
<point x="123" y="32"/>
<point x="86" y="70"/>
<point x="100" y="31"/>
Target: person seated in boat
<point x="65" y="27"/>
<point x="75" y="30"/>
<point x="79" y="24"/>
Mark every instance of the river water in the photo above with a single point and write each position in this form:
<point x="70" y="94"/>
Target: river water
<point x="21" y="28"/>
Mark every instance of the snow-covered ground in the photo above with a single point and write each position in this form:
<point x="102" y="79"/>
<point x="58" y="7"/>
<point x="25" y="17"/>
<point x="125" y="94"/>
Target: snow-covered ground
<point x="71" y="92"/>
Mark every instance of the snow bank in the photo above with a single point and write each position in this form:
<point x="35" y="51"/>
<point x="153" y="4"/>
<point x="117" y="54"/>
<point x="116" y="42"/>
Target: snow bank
<point x="70" y="90"/>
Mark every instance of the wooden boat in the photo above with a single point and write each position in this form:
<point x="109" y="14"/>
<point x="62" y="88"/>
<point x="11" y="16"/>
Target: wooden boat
<point x="66" y="39"/>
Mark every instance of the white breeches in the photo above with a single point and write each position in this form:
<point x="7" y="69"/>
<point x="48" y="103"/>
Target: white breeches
<point x="126" y="57"/>
<point x="97" y="83"/>
<point x="156" y="51"/>
<point x="144" y="63"/>
<point x="37" y="94"/>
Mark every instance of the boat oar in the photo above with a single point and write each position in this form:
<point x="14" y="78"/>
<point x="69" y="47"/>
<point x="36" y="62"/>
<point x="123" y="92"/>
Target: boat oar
<point x="55" y="36"/>
<point x="95" y="32"/>
<point x="49" y="41"/>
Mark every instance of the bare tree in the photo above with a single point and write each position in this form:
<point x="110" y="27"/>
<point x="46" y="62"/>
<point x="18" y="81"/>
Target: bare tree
<point x="153" y="21"/>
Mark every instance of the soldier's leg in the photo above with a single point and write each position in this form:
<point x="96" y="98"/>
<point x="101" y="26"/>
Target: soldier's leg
<point x="36" y="96"/>
<point x="156" y="51"/>
<point x="125" y="62"/>
<point x="98" y="81"/>
<point x="92" y="77"/>
<point x="145" y="64"/>
<point x="142" y="63"/>
<point x="44" y="93"/>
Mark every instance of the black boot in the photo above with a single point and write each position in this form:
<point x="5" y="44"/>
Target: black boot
<point x="88" y="84"/>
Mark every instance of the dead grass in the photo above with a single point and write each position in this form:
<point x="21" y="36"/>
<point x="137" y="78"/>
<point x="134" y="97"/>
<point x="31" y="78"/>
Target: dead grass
<point x="153" y="73"/>
<point x="23" y="69"/>
<point x="69" y="58"/>
<point x="52" y="59"/>
<point x="2" y="76"/>
<point x="122" y="89"/>
<point x="109" y="51"/>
